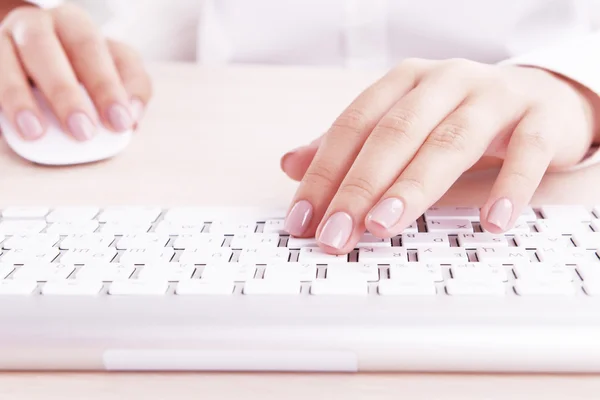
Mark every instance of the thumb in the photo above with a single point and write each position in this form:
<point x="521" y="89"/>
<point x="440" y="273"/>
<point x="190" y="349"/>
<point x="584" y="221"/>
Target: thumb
<point x="296" y="162"/>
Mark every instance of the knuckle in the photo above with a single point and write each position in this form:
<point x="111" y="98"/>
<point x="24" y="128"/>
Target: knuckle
<point x="358" y="188"/>
<point x="11" y="93"/>
<point x="450" y="136"/>
<point x="29" y="24"/>
<point x="103" y="88"/>
<point x="353" y="121"/>
<point x="63" y="95"/>
<point x="534" y="140"/>
<point x="519" y="178"/>
<point x="319" y="175"/>
<point x="395" y="128"/>
<point x="414" y="186"/>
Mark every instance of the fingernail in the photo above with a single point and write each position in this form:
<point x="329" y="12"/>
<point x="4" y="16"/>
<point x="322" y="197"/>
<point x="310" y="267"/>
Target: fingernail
<point x="500" y="213"/>
<point x="337" y="230"/>
<point x="81" y="126"/>
<point x="387" y="213"/>
<point x="137" y="109"/>
<point x="286" y="157"/>
<point x="119" y="117"/>
<point x="298" y="218"/>
<point x="29" y="125"/>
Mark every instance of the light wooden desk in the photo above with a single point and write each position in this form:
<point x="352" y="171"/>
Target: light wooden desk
<point x="215" y="137"/>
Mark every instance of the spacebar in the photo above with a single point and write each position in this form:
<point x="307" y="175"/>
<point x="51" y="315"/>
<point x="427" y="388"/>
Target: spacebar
<point x="230" y="360"/>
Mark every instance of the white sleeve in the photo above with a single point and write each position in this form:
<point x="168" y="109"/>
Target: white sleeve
<point x="576" y="58"/>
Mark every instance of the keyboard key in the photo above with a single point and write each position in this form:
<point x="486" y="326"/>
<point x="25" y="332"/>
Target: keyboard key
<point x="596" y="225"/>
<point x="274" y="226"/>
<point x="142" y="241"/>
<point x="147" y="256"/>
<point x="561" y="226"/>
<point x="416" y="272"/>
<point x="416" y="240"/>
<point x="261" y="286"/>
<point x="412" y="228"/>
<point x="298" y="243"/>
<point x="353" y="271"/>
<point x="474" y="240"/>
<point x="69" y="287"/>
<point x="589" y="272"/>
<point x="203" y="287"/>
<point x="31" y="241"/>
<point x="533" y="288"/>
<point x="205" y="256"/>
<point x="542" y="272"/>
<point x="130" y="214"/>
<point x="568" y="255"/>
<point x="383" y="255"/>
<point x="442" y="255"/>
<point x="26" y="256"/>
<point x="290" y="271"/>
<point x="339" y="287"/>
<point x="72" y="214"/>
<point x="591" y="288"/>
<point x="231" y="228"/>
<point x="317" y="255"/>
<point x="177" y="228"/>
<point x="449" y="226"/>
<point x="519" y="227"/>
<point x="535" y="240"/>
<point x="478" y="272"/>
<point x="25" y="212"/>
<point x="89" y="241"/>
<point x="104" y="272"/>
<point x="229" y="272"/>
<point x="389" y="287"/>
<point x="43" y="272"/>
<point x="21" y="227"/>
<point x="368" y="240"/>
<point x="125" y="227"/>
<point x="472" y="214"/>
<point x="138" y="287"/>
<point x="528" y="215"/>
<point x="588" y="240"/>
<point x="17" y="287"/>
<point x="198" y="241"/>
<point x="73" y="227"/>
<point x="5" y="270"/>
<point x="566" y="212"/>
<point x="455" y="287"/>
<point x="502" y="255"/>
<point x="85" y="256"/>
<point x="264" y="255"/>
<point x="172" y="272"/>
<point x="252" y="240"/>
<point x="597" y="211"/>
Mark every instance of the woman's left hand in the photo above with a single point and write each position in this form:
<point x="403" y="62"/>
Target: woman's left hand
<point x="407" y="138"/>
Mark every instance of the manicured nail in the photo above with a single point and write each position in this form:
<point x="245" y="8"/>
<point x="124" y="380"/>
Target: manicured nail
<point x="81" y="126"/>
<point x="387" y="213"/>
<point x="119" y="117"/>
<point x="500" y="213"/>
<point x="137" y="109"/>
<point x="298" y="218"/>
<point x="29" y="125"/>
<point x="337" y="230"/>
<point x="286" y="157"/>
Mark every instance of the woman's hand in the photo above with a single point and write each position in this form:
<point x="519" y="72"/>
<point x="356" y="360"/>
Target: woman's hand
<point x="58" y="49"/>
<point x="406" y="139"/>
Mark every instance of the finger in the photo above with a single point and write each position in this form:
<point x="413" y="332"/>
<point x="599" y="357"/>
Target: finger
<point x="529" y="154"/>
<point x="340" y="146"/>
<point x="296" y="162"/>
<point x="453" y="147"/>
<point x="134" y="76"/>
<point x="46" y="63"/>
<point x="386" y="152"/>
<point x="93" y="65"/>
<point x="16" y="100"/>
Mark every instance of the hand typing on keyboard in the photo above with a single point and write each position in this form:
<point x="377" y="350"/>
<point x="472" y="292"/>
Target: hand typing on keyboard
<point x="58" y="48"/>
<point x="406" y="139"/>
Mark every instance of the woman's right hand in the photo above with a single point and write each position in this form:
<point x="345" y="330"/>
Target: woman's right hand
<point x="57" y="50"/>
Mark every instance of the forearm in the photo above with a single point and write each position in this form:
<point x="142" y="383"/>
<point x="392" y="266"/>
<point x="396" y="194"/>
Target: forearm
<point x="6" y="6"/>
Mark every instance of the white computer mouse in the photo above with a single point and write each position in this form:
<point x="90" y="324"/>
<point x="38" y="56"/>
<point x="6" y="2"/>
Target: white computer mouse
<point x="57" y="147"/>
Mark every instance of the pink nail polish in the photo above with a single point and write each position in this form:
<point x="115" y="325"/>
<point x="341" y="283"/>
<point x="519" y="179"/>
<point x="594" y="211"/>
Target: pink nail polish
<point x="119" y="117"/>
<point x="387" y="213"/>
<point x="81" y="126"/>
<point x="29" y="125"/>
<point x="298" y="218"/>
<point x="337" y="230"/>
<point x="500" y="213"/>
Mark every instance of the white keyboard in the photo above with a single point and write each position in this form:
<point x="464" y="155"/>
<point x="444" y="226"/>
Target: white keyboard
<point x="74" y="264"/>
